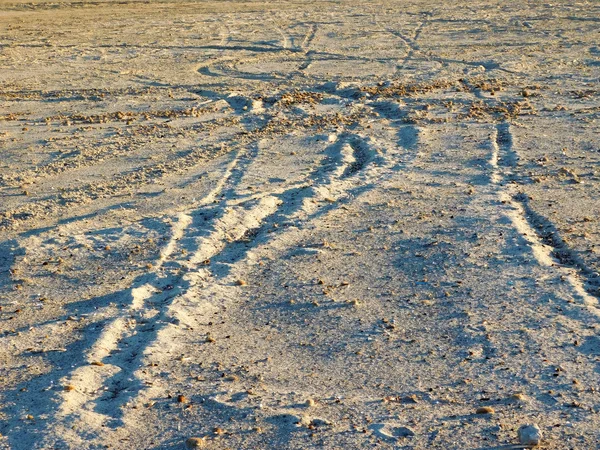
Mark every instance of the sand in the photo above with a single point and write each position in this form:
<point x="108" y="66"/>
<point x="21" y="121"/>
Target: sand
<point x="300" y="224"/>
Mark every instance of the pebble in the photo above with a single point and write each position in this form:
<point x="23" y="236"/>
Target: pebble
<point x="518" y="397"/>
<point x="195" y="442"/>
<point x="313" y="423"/>
<point x="319" y="422"/>
<point x="530" y="434"/>
<point x="485" y="410"/>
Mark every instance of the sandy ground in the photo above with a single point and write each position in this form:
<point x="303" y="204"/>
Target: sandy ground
<point x="294" y="225"/>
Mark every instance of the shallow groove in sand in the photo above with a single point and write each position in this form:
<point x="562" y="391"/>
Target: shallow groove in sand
<point x="547" y="246"/>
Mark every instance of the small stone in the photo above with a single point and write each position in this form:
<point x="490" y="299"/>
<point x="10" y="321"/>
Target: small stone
<point x="316" y="422"/>
<point x="97" y="363"/>
<point x="181" y="399"/>
<point x="310" y="402"/>
<point x="530" y="434"/>
<point x="195" y="442"/>
<point x="69" y="388"/>
<point x="485" y="410"/>
<point x="518" y="397"/>
<point x="410" y="399"/>
<point x="241" y="282"/>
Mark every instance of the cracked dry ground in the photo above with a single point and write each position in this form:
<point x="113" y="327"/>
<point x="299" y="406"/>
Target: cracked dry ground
<point x="299" y="224"/>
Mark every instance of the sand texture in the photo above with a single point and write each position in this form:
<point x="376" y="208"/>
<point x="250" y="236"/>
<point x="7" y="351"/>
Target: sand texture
<point x="299" y="224"/>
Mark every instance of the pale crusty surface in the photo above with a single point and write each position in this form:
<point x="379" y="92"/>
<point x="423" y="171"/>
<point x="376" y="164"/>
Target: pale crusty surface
<point x="299" y="224"/>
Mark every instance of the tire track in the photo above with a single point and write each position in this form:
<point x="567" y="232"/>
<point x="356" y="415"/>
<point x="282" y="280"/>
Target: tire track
<point x="124" y="341"/>
<point x="106" y="366"/>
<point x="68" y="198"/>
<point x="112" y="359"/>
<point x="306" y="43"/>
<point x="411" y="43"/>
<point x="548" y="248"/>
<point x="350" y="157"/>
<point x="309" y="38"/>
<point x="285" y="40"/>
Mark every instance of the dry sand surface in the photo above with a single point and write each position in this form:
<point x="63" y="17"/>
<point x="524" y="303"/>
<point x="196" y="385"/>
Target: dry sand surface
<point x="293" y="225"/>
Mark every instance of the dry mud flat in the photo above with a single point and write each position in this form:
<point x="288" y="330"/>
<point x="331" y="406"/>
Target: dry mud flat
<point x="299" y="224"/>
